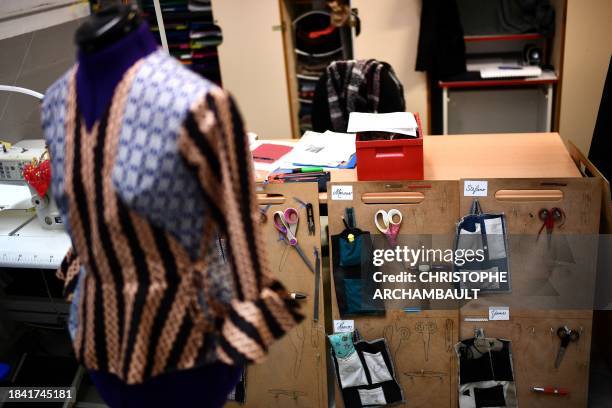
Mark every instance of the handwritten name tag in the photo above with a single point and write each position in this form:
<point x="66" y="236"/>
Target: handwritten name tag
<point x="475" y="188"/>
<point x="499" y="313"/>
<point x="342" y="193"/>
<point x="344" y="326"/>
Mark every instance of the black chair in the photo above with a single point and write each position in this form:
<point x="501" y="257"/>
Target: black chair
<point x="390" y="95"/>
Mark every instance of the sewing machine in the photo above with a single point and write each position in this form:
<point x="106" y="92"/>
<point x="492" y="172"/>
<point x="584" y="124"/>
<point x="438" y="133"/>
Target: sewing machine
<point x="12" y="162"/>
<point x="32" y="242"/>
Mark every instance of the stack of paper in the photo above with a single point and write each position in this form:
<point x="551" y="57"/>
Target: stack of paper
<point x="403" y="123"/>
<point x="329" y="149"/>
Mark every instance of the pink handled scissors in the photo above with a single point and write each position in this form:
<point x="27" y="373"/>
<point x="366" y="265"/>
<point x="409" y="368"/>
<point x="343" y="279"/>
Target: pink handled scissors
<point x="391" y="224"/>
<point x="286" y="222"/>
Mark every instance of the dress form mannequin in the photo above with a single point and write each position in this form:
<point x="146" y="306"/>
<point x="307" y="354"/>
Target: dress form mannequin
<point x="102" y="63"/>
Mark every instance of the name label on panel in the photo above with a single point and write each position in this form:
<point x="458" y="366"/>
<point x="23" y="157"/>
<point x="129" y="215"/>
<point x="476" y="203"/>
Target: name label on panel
<point x="475" y="188"/>
<point x="344" y="326"/>
<point x="342" y="193"/>
<point x="499" y="313"/>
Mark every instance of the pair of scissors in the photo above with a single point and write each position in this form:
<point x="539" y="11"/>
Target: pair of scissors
<point x="286" y="222"/>
<point x="549" y="218"/>
<point x="391" y="224"/>
<point x="566" y="335"/>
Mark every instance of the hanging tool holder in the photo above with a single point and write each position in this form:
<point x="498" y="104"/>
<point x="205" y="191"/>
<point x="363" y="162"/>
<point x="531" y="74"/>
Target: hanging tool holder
<point x="351" y="252"/>
<point x="487" y="233"/>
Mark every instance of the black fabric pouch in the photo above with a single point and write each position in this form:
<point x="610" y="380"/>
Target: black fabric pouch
<point x="352" y="272"/>
<point x="487" y="233"/>
<point x="481" y="361"/>
<point x="490" y="397"/>
<point x="373" y="381"/>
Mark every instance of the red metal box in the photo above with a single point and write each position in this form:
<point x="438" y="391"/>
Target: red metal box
<point x="399" y="159"/>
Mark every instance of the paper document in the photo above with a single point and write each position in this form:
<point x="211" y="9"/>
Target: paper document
<point x="263" y="168"/>
<point x="15" y="197"/>
<point x="403" y="123"/>
<point x="329" y="149"/>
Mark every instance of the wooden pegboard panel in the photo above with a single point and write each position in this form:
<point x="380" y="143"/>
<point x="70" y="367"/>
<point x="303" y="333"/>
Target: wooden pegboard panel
<point x="295" y="372"/>
<point x="559" y="275"/>
<point x="534" y="350"/>
<point x="546" y="279"/>
<point x="580" y="199"/>
<point x="421" y="343"/>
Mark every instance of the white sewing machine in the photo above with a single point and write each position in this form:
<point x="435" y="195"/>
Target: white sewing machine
<point x="13" y="185"/>
<point x="32" y="239"/>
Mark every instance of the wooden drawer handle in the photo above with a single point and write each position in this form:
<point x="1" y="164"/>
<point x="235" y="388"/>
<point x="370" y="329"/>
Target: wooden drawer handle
<point x="273" y="199"/>
<point x="394" y="197"/>
<point x="529" y="195"/>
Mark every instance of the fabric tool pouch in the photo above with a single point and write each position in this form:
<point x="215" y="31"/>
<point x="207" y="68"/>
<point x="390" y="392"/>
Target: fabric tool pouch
<point x="486" y="233"/>
<point x="364" y="371"/>
<point x="352" y="272"/>
<point x="350" y="249"/>
<point x="486" y="376"/>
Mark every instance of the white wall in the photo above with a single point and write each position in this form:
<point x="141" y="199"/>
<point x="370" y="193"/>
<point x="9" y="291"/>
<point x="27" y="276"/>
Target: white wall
<point x="34" y="61"/>
<point x="390" y="33"/>
<point x="588" y="45"/>
<point x="253" y="64"/>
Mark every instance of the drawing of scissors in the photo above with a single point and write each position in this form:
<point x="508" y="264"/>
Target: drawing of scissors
<point x="286" y="222"/>
<point x="390" y="226"/>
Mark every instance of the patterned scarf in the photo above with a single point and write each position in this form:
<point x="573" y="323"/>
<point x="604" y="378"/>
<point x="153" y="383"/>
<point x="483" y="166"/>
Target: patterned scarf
<point x="354" y="86"/>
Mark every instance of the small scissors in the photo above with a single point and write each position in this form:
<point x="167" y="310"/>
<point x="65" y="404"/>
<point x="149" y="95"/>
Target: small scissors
<point x="391" y="226"/>
<point x="286" y="222"/>
<point x="566" y="335"/>
<point x="549" y="218"/>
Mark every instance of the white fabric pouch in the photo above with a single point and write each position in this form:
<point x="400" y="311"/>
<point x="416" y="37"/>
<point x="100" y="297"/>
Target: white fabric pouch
<point x="351" y="371"/>
<point x="375" y="396"/>
<point x="377" y="367"/>
<point x="470" y="239"/>
<point x="495" y="238"/>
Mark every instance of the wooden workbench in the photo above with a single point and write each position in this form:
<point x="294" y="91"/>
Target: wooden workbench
<point x="509" y="155"/>
<point x="532" y="171"/>
<point x="504" y="155"/>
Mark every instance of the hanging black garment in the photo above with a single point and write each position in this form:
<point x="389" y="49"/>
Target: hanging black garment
<point x="601" y="145"/>
<point x="441" y="50"/>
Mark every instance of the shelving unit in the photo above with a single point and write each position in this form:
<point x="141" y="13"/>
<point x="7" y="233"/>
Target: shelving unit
<point x="190" y="31"/>
<point x="502" y="37"/>
<point x="311" y="44"/>
<point x="468" y="103"/>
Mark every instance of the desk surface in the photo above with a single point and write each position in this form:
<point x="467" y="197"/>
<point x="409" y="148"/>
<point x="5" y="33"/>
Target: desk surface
<point x="505" y="155"/>
<point x="510" y="155"/>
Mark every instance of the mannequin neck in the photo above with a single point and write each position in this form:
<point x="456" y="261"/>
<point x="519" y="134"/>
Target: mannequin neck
<point x="99" y="73"/>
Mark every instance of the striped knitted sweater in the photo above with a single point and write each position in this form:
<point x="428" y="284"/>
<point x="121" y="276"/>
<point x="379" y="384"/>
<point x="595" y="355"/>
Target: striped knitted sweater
<point x="148" y="195"/>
